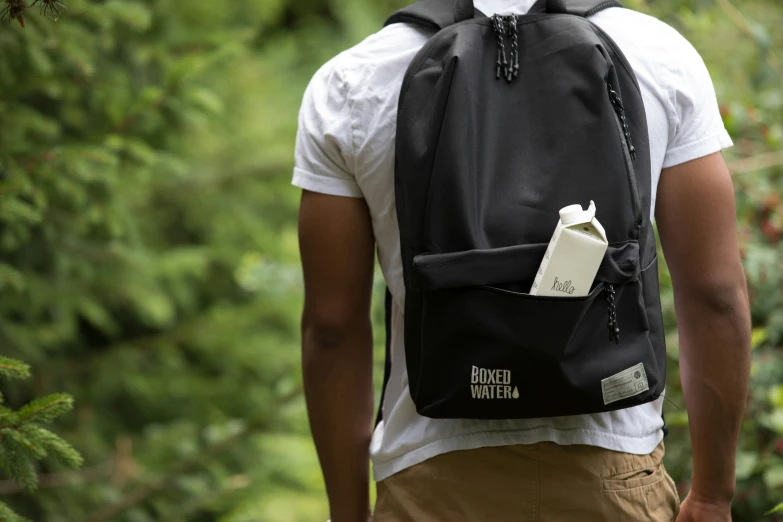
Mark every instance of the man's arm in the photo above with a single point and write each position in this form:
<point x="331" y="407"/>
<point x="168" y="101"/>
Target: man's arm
<point x="696" y="220"/>
<point x="337" y="243"/>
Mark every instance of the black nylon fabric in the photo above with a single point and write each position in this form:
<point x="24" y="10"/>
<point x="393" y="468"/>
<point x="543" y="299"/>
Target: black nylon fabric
<point x="482" y="168"/>
<point x="515" y="263"/>
<point x="435" y="14"/>
<point x="575" y="7"/>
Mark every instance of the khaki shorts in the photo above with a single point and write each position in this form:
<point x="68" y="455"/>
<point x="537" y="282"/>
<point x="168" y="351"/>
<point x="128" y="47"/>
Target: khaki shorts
<point x="541" y="482"/>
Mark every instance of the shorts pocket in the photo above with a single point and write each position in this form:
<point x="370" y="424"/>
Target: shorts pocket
<point x="634" y="479"/>
<point x="643" y="494"/>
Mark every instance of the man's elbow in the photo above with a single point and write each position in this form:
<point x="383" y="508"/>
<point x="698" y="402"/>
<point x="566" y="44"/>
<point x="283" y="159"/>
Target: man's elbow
<point x="722" y="298"/>
<point x="332" y="331"/>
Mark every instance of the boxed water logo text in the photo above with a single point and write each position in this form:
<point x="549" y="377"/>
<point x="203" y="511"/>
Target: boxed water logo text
<point x="491" y="384"/>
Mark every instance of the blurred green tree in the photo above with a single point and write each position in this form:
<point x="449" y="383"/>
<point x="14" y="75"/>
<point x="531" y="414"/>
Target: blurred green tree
<point x="148" y="256"/>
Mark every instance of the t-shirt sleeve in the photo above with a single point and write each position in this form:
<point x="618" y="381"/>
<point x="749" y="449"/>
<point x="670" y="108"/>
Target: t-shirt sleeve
<point x="323" y="157"/>
<point x="697" y="129"/>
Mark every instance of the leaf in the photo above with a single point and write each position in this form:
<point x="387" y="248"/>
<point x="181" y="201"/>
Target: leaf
<point x="46" y="409"/>
<point x="193" y="64"/>
<point x="13" y="369"/>
<point x="205" y="100"/>
<point x="6" y="515"/>
<point x="759" y="336"/>
<point x="186" y="66"/>
<point x="16" y="210"/>
<point x="11" y="277"/>
<point x="775" y="509"/>
<point x="773" y="476"/>
<point x="151" y="94"/>
<point x="39" y="60"/>
<point x="133" y="14"/>
<point x="140" y="151"/>
<point x="677" y="418"/>
<point x="774" y="420"/>
<point x="746" y="464"/>
<point x="96" y="315"/>
<point x="775" y="396"/>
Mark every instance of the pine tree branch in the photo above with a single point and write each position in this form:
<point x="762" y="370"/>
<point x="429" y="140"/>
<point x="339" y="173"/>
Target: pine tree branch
<point x="144" y="491"/>
<point x="10" y="187"/>
<point x="62" y="401"/>
<point x="13" y="369"/>
<point x="187" y="510"/>
<point x="27" y="415"/>
<point x="132" y="117"/>
<point x="63" y="478"/>
<point x="173" y="335"/>
<point x="117" y="470"/>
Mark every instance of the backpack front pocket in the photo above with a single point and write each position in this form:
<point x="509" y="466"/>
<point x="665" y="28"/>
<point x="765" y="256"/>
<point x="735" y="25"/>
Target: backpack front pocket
<point x="483" y="347"/>
<point x="521" y="321"/>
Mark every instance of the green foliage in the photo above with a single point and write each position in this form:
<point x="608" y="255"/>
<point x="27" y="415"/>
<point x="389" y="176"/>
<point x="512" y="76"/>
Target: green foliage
<point x="6" y="515"/>
<point x="149" y="262"/>
<point x="23" y="441"/>
<point x="13" y="369"/>
<point x="148" y="255"/>
<point x="738" y="44"/>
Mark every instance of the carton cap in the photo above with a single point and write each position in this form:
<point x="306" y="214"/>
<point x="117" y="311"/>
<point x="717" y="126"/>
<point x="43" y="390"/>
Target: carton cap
<point x="573" y="214"/>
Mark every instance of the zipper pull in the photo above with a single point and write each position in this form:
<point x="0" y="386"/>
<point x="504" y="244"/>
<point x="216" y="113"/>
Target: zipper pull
<point x="617" y="103"/>
<point x="614" y="328"/>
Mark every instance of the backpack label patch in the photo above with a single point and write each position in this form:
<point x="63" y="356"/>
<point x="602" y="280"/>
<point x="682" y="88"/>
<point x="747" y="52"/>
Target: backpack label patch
<point x="491" y="384"/>
<point x="627" y="383"/>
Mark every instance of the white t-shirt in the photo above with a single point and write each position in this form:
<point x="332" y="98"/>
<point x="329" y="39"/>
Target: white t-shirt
<point x="345" y="147"/>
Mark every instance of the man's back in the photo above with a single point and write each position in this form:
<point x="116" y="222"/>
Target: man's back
<point x="345" y="147"/>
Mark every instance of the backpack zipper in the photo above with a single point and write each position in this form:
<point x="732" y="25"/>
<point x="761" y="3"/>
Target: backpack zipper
<point x="629" y="156"/>
<point x="629" y="153"/>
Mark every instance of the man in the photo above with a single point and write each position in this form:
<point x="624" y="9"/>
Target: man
<point x="605" y="466"/>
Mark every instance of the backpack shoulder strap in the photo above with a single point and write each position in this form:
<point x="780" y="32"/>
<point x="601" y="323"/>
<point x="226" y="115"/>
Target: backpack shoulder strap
<point x="435" y="14"/>
<point x="583" y="8"/>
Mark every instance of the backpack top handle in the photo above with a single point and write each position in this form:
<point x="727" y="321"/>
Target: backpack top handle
<point x="435" y="14"/>
<point x="583" y="8"/>
<point x="463" y="10"/>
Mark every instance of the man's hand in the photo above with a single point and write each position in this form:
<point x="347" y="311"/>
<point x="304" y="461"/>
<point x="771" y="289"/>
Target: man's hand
<point x="696" y="220"/>
<point x="336" y="243"/>
<point x="694" y="509"/>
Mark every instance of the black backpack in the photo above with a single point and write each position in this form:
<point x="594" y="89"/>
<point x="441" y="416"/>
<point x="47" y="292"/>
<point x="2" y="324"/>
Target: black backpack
<point x="502" y="122"/>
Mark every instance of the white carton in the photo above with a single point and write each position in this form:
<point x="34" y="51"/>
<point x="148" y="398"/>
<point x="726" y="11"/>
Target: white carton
<point x="575" y="252"/>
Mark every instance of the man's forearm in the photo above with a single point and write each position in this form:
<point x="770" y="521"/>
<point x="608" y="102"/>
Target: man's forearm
<point x="337" y="368"/>
<point x="714" y="366"/>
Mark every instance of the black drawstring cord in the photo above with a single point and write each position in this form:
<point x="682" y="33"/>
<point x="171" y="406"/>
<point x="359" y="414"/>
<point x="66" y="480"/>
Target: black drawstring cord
<point x="512" y="23"/>
<point x="510" y="67"/>
<point x="500" y="31"/>
<point x="614" y="328"/>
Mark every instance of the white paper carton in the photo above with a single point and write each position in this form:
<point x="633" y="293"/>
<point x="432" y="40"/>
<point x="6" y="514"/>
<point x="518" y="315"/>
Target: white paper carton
<point x="575" y="252"/>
